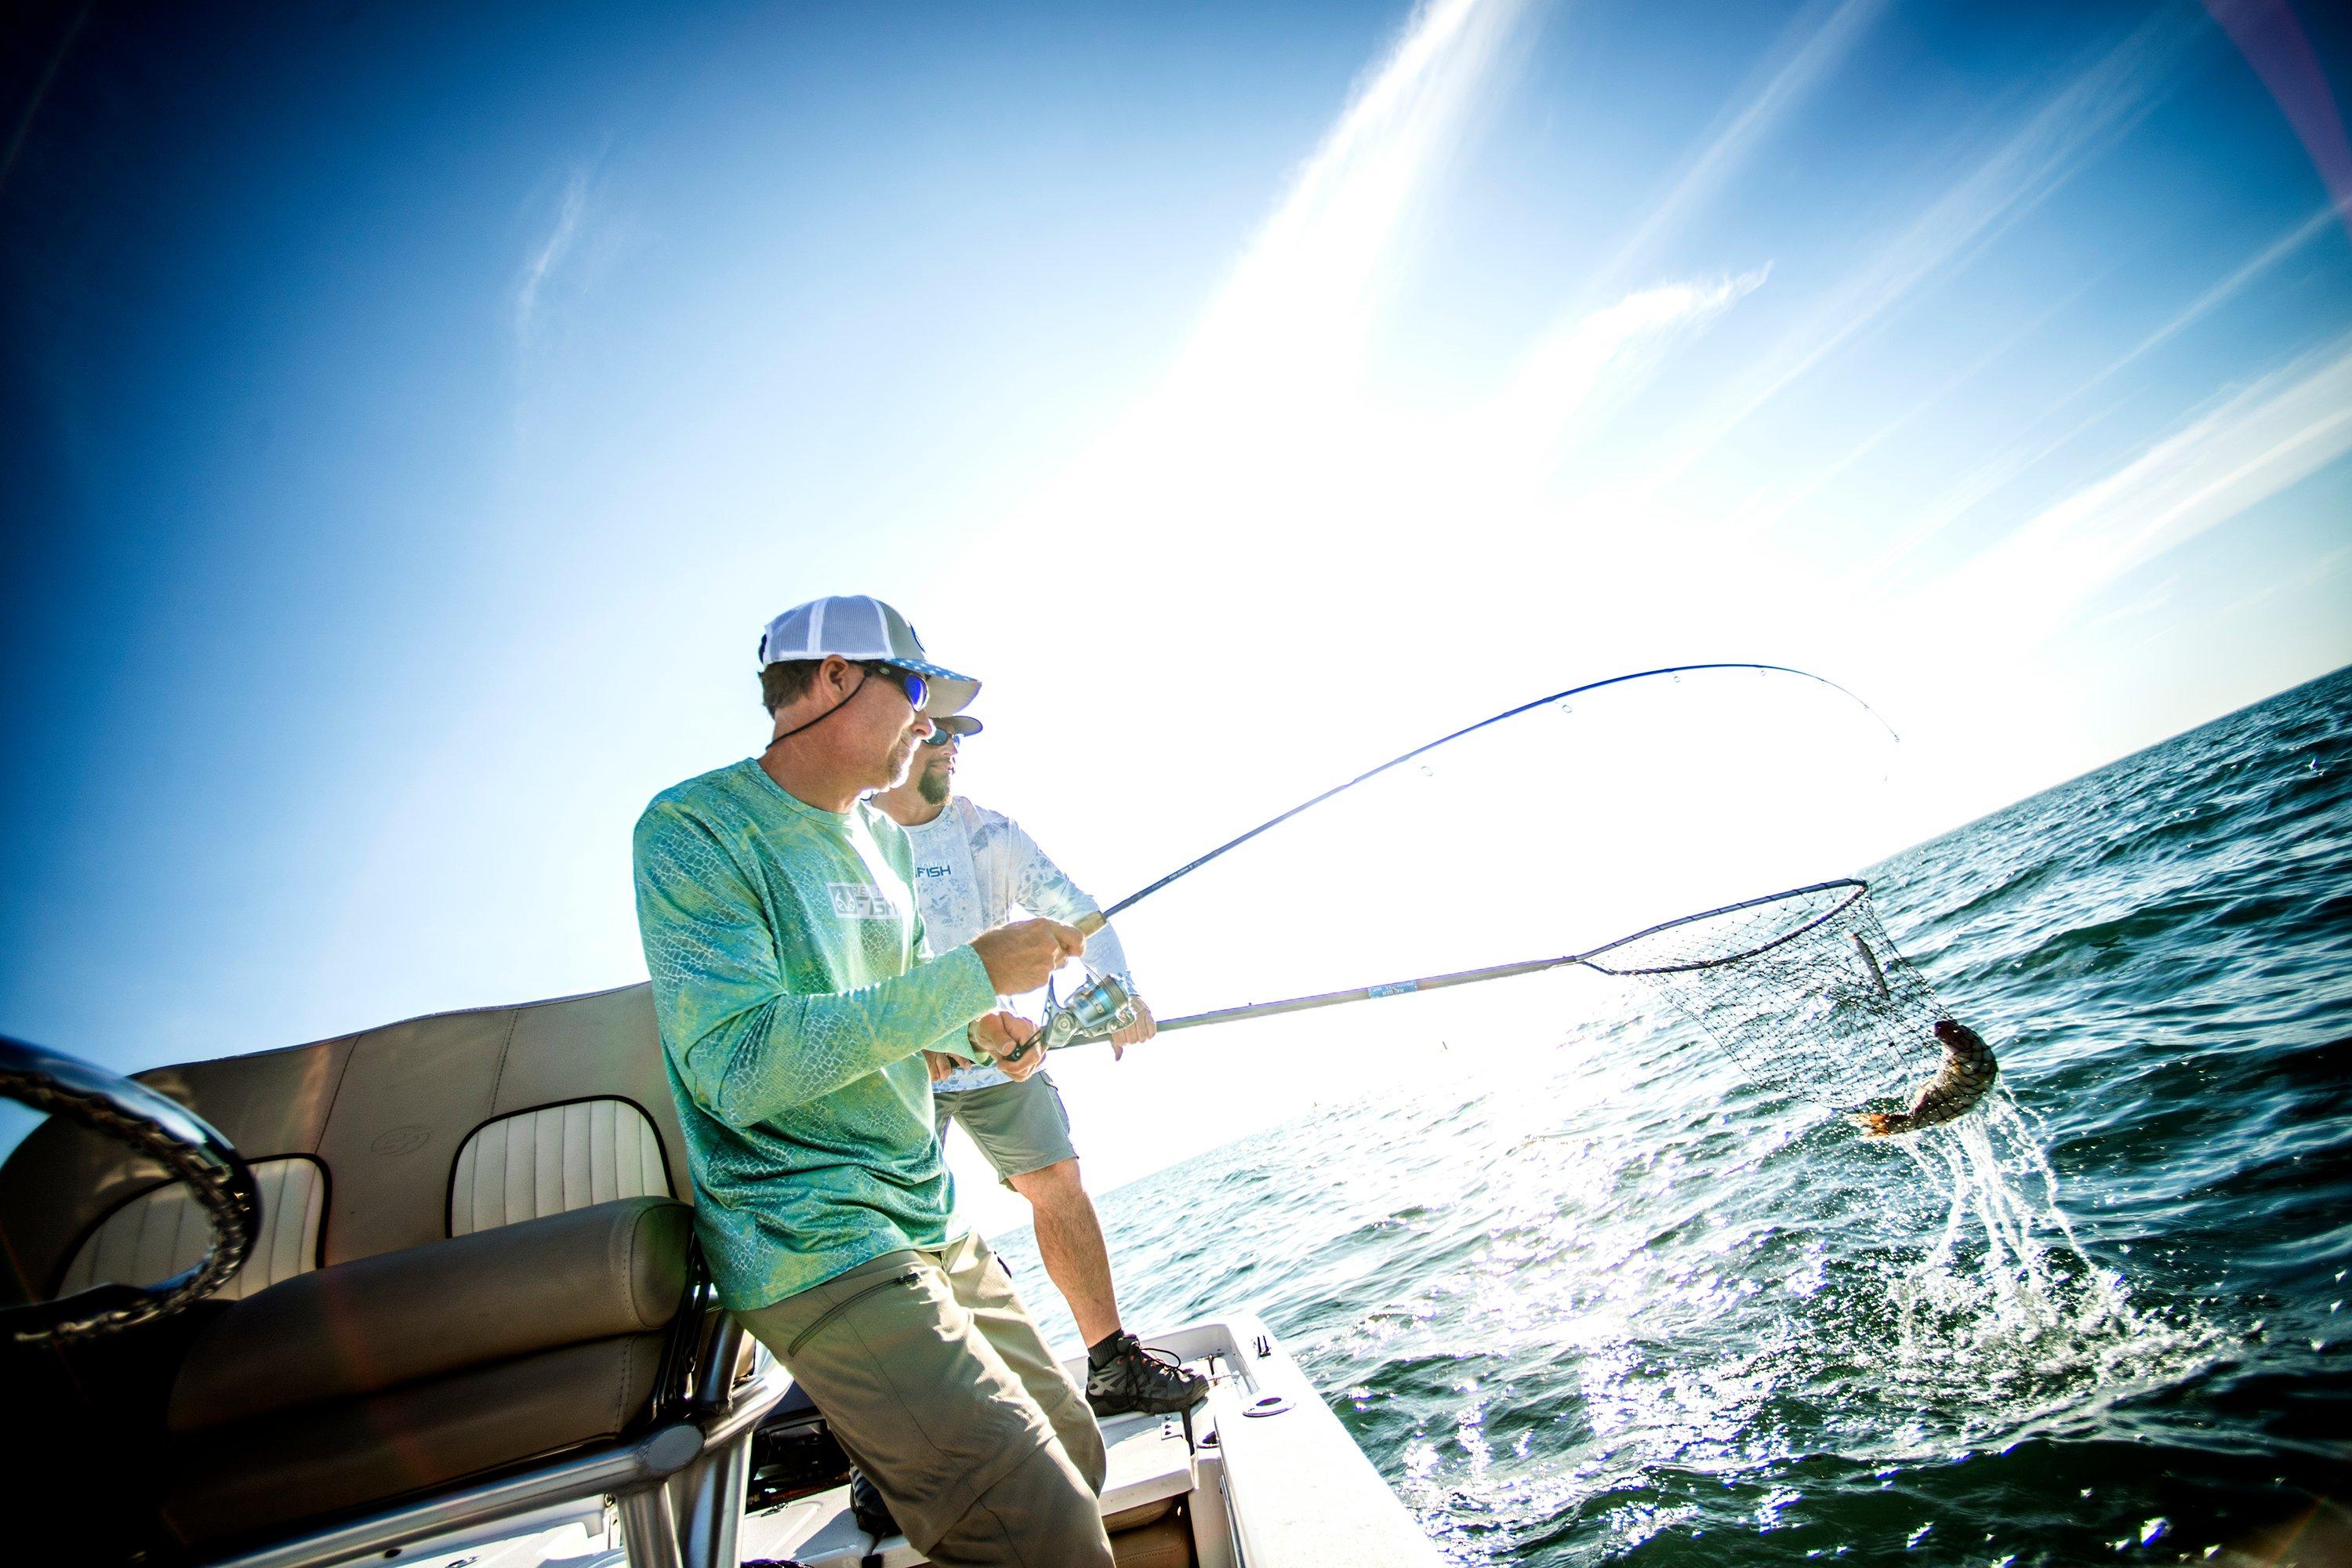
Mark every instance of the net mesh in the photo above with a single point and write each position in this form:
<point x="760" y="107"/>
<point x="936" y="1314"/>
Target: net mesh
<point x="1801" y="990"/>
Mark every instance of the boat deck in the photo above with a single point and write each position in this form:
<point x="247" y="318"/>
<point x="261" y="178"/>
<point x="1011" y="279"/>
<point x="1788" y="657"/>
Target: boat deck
<point x="1265" y="1478"/>
<point x="1148" y="1470"/>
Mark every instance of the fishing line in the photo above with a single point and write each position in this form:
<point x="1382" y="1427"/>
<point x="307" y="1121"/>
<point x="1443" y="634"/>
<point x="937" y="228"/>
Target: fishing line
<point x="1093" y="923"/>
<point x="1801" y="989"/>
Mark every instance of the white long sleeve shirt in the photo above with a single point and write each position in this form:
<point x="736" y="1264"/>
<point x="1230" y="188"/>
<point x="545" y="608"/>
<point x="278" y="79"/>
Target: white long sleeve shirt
<point x="972" y="868"/>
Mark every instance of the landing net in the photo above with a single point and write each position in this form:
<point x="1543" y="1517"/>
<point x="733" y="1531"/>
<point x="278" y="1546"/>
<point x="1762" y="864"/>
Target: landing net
<point x="1801" y="990"/>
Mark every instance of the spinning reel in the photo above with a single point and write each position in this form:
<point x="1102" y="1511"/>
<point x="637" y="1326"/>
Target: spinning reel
<point x="1096" y="1010"/>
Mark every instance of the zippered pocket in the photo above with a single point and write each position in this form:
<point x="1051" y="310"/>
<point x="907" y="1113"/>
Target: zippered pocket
<point x="906" y="1277"/>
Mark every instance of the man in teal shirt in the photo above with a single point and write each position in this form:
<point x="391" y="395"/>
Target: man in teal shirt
<point x="796" y="997"/>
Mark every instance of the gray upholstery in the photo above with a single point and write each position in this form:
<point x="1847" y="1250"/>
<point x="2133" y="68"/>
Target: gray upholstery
<point x="64" y="1180"/>
<point x="539" y="1162"/>
<point x="162" y="1230"/>
<point x="401" y="1317"/>
<point x="386" y="1112"/>
<point x="414" y="1093"/>
<point x="405" y="1323"/>
<point x="237" y="1480"/>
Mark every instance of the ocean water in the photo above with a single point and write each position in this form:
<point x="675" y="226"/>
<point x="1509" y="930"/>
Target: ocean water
<point x="1615" y="1303"/>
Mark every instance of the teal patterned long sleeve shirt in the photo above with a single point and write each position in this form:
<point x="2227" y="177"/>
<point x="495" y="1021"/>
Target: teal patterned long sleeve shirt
<point x="794" y="996"/>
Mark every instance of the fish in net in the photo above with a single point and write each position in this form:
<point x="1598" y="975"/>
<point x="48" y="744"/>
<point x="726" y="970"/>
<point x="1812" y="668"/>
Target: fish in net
<point x="1803" y="991"/>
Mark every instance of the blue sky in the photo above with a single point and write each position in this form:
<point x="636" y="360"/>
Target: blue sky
<point x="414" y="413"/>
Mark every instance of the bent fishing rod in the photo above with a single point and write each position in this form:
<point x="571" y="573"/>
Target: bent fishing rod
<point x="1089" y="924"/>
<point x="1093" y="1012"/>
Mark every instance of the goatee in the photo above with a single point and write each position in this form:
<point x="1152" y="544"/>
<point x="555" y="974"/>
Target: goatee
<point x="933" y="786"/>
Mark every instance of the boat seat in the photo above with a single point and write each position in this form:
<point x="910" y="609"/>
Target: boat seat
<point x="376" y="1323"/>
<point x="235" y="1481"/>
<point x="412" y="1368"/>
<point x="476" y="1243"/>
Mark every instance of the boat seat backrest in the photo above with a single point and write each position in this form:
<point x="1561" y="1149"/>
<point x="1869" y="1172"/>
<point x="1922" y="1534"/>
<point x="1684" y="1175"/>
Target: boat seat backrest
<point x="538" y="1162"/>
<point x="163" y="1230"/>
<point x="526" y="1110"/>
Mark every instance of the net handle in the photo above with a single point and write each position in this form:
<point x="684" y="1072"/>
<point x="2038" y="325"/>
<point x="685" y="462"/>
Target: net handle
<point x="1855" y="889"/>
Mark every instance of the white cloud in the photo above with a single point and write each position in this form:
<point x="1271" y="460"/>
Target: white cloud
<point x="1803" y="69"/>
<point x="2035" y="581"/>
<point x="2071" y="128"/>
<point x="1296" y="311"/>
<point x="2212" y="299"/>
<point x="1595" y="359"/>
<point x="1267" y="442"/>
<point x="1758" y="514"/>
<point x="2318" y="572"/>
<point x="571" y="216"/>
<point x="1980" y="483"/>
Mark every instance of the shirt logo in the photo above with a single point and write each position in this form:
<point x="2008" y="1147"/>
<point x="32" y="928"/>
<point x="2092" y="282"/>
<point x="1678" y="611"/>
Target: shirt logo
<point x="861" y="901"/>
<point x="930" y="870"/>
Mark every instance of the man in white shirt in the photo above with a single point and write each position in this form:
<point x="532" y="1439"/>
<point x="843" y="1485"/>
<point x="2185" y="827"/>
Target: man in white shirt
<point x="971" y="867"/>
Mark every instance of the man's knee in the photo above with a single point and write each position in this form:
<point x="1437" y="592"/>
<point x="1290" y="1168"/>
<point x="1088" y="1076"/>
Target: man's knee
<point x="1043" y="1511"/>
<point x="1051" y="1186"/>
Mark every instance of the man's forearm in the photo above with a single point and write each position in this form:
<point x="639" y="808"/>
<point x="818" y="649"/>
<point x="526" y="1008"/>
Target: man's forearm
<point x="791" y="1049"/>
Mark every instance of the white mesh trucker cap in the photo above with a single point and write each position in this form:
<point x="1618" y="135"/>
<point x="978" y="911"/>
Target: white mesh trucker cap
<point x="852" y="626"/>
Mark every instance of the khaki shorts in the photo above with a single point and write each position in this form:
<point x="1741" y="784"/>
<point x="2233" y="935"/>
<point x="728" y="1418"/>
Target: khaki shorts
<point x="939" y="1386"/>
<point x="1020" y="1127"/>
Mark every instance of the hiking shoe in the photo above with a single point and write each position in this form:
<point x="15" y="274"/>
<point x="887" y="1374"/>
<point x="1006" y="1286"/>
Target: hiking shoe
<point x="1136" y="1379"/>
<point x="866" y="1507"/>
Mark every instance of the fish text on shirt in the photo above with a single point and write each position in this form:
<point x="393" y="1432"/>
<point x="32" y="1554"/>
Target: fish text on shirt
<point x="861" y="901"/>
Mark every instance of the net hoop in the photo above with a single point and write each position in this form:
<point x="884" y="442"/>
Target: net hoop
<point x="1853" y="889"/>
<point x="1816" y="1000"/>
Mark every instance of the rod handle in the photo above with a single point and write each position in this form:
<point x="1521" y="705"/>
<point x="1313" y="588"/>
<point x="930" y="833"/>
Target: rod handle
<point x="1087" y="925"/>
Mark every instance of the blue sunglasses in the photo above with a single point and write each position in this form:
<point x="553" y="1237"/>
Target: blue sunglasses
<point x="917" y="689"/>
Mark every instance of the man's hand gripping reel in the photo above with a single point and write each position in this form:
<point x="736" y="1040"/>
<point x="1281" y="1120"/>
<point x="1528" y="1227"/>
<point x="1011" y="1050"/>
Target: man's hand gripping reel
<point x="1094" y="1012"/>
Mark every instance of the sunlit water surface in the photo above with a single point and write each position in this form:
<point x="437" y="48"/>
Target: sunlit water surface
<point x="1616" y="1303"/>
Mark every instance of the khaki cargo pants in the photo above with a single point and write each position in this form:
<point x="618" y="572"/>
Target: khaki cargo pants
<point x="939" y="1386"/>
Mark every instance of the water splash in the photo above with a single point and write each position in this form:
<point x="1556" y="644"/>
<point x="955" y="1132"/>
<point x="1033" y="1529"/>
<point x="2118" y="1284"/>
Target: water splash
<point x="2006" y="1315"/>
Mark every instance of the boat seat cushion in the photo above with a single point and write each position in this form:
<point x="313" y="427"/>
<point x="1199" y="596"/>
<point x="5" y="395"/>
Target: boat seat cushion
<point x="162" y="1230"/>
<point x="329" y="1458"/>
<point x="377" y="1323"/>
<point x="538" y="1162"/>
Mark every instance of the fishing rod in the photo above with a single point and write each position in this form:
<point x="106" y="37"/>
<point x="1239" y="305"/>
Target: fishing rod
<point x="1089" y="924"/>
<point x="1098" y="1009"/>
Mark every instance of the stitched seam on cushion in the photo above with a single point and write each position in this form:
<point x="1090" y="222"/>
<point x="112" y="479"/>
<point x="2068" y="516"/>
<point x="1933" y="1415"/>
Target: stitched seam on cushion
<point x="629" y="1272"/>
<point x="649" y="1218"/>
<point x="505" y="1046"/>
<point x="629" y="1275"/>
<point x="335" y="1098"/>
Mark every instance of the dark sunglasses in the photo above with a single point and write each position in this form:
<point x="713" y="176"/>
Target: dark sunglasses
<point x="941" y="738"/>
<point x="917" y="689"/>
